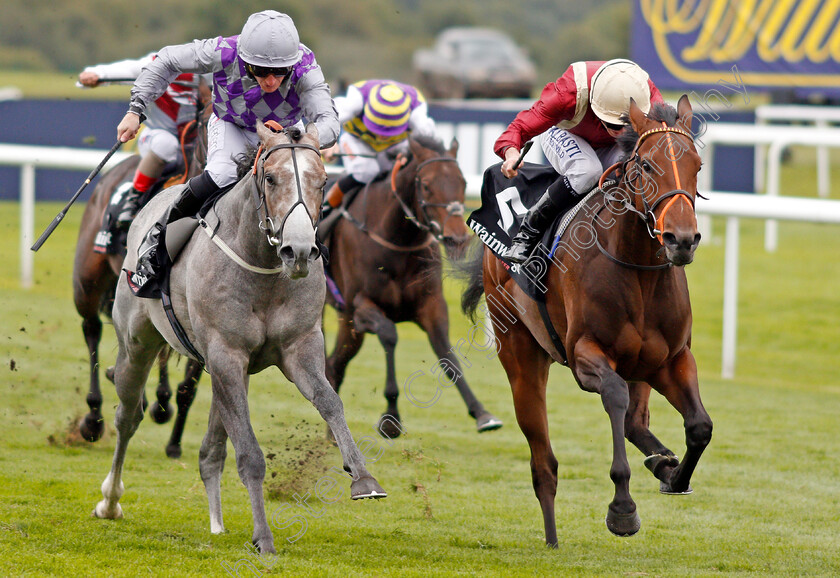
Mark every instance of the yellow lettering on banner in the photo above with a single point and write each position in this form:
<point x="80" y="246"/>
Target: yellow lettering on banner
<point x="727" y="30"/>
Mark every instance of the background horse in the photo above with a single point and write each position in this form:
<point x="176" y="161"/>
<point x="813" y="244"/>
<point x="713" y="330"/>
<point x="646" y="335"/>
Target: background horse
<point x="386" y="265"/>
<point x="258" y="307"/>
<point x="94" y="282"/>
<point x="622" y="315"/>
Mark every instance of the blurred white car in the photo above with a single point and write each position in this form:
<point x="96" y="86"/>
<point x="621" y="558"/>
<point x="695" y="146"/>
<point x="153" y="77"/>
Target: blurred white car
<point x="474" y="62"/>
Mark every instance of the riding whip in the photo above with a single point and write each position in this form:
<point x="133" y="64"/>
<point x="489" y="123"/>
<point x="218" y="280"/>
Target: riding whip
<point x="63" y="212"/>
<point x="524" y="152"/>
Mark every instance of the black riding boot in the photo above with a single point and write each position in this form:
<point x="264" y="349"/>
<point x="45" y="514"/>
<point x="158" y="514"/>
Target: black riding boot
<point x="558" y="196"/>
<point x="131" y="205"/>
<point x="149" y="260"/>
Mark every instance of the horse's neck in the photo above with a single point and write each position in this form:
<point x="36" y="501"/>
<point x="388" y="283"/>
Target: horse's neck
<point x="395" y="221"/>
<point x="626" y="238"/>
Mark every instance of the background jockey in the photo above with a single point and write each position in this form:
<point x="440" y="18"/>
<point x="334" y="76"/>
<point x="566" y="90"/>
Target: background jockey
<point x="578" y="117"/>
<point x="165" y="118"/>
<point x="377" y="116"/>
<point x="264" y="73"/>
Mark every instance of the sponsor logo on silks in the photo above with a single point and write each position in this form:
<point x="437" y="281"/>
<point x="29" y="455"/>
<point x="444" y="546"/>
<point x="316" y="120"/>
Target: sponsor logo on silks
<point x="120" y="192"/>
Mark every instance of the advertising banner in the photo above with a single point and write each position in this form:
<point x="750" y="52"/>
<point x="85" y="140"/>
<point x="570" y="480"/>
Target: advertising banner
<point x="791" y="45"/>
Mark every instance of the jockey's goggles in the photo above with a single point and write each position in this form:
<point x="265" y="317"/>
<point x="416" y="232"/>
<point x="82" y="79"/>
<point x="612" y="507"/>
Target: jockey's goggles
<point x="264" y="71"/>
<point x="613" y="127"/>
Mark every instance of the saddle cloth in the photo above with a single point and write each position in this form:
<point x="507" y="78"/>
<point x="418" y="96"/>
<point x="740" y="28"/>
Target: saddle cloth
<point x="504" y="203"/>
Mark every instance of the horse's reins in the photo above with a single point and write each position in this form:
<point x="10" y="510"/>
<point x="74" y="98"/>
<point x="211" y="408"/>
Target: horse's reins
<point x="433" y="230"/>
<point x="258" y="193"/>
<point x="653" y="224"/>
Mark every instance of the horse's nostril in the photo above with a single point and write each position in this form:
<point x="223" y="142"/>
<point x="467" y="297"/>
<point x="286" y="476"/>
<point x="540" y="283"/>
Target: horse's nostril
<point x="697" y="238"/>
<point x="669" y="238"/>
<point x="287" y="253"/>
<point x="313" y="254"/>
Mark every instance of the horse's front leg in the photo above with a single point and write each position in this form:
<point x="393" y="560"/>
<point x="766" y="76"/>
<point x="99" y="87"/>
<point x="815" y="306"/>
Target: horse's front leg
<point x="228" y="372"/>
<point x="678" y="383"/>
<point x="637" y="430"/>
<point x="368" y="317"/>
<point x="303" y="364"/>
<point x="596" y="373"/>
<point x="433" y="317"/>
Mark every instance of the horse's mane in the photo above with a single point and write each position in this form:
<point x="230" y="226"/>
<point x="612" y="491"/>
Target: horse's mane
<point x="659" y="112"/>
<point x="245" y="160"/>
<point x="429" y="143"/>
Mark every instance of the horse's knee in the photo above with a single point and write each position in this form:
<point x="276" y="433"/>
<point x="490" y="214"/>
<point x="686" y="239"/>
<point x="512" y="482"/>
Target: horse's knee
<point x="615" y="396"/>
<point x="698" y="433"/>
<point x="251" y="465"/>
<point x="544" y="475"/>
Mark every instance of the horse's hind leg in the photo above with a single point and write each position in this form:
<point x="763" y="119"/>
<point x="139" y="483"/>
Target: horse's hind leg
<point x="637" y="430"/>
<point x="302" y="363"/>
<point x="161" y="410"/>
<point x="370" y="318"/>
<point x="92" y="425"/>
<point x="527" y="365"/>
<point x="434" y="319"/>
<point x="595" y="373"/>
<point x="184" y="399"/>
<point x="678" y="383"/>
<point x="211" y="463"/>
<point x="130" y="379"/>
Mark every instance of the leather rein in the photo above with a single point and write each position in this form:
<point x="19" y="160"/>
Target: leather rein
<point x="647" y="214"/>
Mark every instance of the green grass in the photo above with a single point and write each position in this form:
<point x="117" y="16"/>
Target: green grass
<point x="767" y="491"/>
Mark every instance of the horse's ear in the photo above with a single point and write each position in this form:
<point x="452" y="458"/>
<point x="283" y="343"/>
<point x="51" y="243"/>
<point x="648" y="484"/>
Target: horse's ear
<point x="414" y="146"/>
<point x="263" y="131"/>
<point x="453" y="148"/>
<point x="637" y="117"/>
<point x="312" y="130"/>
<point x="685" y="113"/>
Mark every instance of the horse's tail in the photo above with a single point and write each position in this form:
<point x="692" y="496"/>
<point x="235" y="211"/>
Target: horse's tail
<point x="470" y="269"/>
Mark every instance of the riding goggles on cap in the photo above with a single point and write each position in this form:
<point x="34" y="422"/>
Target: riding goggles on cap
<point x="264" y="71"/>
<point x="613" y="127"/>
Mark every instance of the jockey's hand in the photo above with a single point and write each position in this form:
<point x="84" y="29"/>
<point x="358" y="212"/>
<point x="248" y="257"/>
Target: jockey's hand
<point x="88" y="79"/>
<point x="511" y="156"/>
<point x="128" y="127"/>
<point x="329" y="154"/>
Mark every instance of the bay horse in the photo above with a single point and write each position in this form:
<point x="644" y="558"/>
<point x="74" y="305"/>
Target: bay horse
<point x="248" y="291"/>
<point x="94" y="282"/>
<point x="386" y="265"/>
<point x="622" y="315"/>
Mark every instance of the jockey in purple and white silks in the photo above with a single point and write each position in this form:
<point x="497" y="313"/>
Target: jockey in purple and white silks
<point x="376" y="117"/>
<point x="263" y="74"/>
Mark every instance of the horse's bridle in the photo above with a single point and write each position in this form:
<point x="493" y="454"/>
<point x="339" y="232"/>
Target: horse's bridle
<point x="427" y="224"/>
<point x="647" y="214"/>
<point x="258" y="191"/>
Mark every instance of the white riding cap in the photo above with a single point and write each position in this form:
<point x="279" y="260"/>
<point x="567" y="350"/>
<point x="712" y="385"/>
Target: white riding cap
<point x="269" y="39"/>
<point x="613" y="85"/>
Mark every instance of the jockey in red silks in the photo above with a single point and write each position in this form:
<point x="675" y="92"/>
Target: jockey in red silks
<point x="578" y="118"/>
<point x="166" y="117"/>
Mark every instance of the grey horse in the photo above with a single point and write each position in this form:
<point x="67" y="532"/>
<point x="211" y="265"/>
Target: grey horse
<point x="249" y="294"/>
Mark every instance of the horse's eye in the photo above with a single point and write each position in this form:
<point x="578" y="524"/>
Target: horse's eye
<point x="646" y="166"/>
<point x="269" y="180"/>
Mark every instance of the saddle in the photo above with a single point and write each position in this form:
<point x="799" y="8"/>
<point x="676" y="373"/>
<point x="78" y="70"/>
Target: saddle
<point x="111" y="240"/>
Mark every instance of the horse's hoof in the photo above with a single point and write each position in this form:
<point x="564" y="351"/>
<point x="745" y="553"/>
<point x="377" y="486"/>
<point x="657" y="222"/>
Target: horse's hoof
<point x="109" y="373"/>
<point x="487" y="422"/>
<point x="103" y="511"/>
<point x="623" y="524"/>
<point x="173" y="451"/>
<point x="667" y="489"/>
<point x="160" y="414"/>
<point x="366" y="488"/>
<point x="389" y="426"/>
<point x="264" y="545"/>
<point x="91" y="429"/>
<point x="657" y="462"/>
